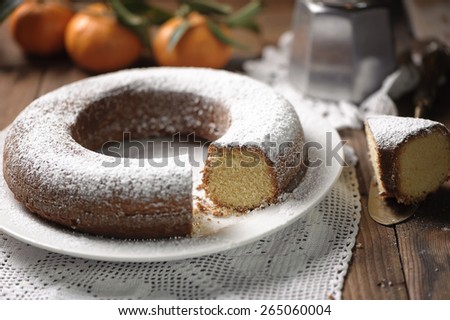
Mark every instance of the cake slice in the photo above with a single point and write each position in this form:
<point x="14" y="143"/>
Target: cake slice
<point x="410" y="156"/>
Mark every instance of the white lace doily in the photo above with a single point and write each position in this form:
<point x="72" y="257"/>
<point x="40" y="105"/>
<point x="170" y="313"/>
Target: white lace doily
<point x="307" y="260"/>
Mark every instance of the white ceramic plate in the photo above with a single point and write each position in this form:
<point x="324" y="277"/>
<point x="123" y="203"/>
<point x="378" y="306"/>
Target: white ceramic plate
<point x="216" y="235"/>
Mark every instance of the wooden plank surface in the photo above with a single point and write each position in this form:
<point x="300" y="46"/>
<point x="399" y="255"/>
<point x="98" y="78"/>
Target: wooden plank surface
<point x="424" y="240"/>
<point x="424" y="244"/>
<point x="17" y="89"/>
<point x="411" y="260"/>
<point x="62" y="73"/>
<point x="376" y="270"/>
<point x="19" y="79"/>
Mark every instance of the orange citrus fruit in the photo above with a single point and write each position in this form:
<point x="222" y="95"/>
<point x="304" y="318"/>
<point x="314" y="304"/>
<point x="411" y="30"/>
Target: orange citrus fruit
<point x="38" y="27"/>
<point x="97" y="42"/>
<point x="197" y="48"/>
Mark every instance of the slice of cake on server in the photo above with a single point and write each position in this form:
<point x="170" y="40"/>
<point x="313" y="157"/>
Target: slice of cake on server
<point x="410" y="156"/>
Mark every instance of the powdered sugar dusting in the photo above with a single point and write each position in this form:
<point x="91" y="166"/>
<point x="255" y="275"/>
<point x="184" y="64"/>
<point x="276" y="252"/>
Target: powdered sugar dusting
<point x="390" y="131"/>
<point x="213" y="235"/>
<point x="40" y="141"/>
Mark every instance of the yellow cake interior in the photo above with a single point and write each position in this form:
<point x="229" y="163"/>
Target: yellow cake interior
<point x="423" y="164"/>
<point x="238" y="179"/>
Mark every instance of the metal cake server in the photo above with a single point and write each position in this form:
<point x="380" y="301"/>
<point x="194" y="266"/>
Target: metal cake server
<point x="387" y="211"/>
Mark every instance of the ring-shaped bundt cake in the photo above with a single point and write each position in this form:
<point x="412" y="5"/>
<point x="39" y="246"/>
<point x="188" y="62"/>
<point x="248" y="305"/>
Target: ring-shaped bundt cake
<point x="51" y="166"/>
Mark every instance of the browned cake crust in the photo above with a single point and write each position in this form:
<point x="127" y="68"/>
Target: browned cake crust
<point x="50" y="165"/>
<point x="391" y="136"/>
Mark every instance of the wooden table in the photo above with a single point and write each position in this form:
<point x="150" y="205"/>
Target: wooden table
<point x="408" y="261"/>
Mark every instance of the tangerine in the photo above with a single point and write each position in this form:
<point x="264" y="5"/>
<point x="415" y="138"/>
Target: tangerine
<point x="197" y="48"/>
<point x="38" y="27"/>
<point x="97" y="42"/>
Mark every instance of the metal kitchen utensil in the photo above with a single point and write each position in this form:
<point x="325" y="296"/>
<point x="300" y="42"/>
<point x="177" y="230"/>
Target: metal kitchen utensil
<point x="342" y="50"/>
<point x="387" y="211"/>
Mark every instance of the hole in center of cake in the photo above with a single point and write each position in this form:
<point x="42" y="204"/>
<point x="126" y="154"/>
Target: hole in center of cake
<point x="158" y="148"/>
<point x="136" y="114"/>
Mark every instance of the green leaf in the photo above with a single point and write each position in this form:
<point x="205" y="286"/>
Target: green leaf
<point x="244" y="17"/>
<point x="183" y="11"/>
<point x="178" y="33"/>
<point x="249" y="25"/>
<point x="8" y="6"/>
<point x="125" y="15"/>
<point x="218" y="33"/>
<point x="208" y="7"/>
<point x="138" y="24"/>
<point x="156" y="15"/>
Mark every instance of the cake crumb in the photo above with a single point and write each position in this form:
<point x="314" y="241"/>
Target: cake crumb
<point x="206" y="207"/>
<point x="382" y="283"/>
